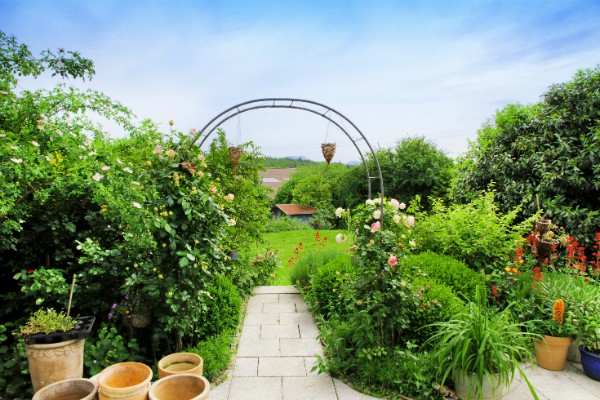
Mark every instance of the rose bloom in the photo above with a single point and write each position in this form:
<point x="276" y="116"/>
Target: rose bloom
<point x="339" y="212"/>
<point x="213" y="188"/>
<point x="402" y="206"/>
<point x="340" y="238"/>
<point x="377" y="214"/>
<point x="394" y="204"/>
<point x="370" y="202"/>
<point x="170" y="153"/>
<point x="377" y="201"/>
<point x="136" y="204"/>
<point x="396" y="218"/>
<point x="392" y="260"/>
<point x="97" y="177"/>
<point x="375" y="226"/>
<point x="408" y="221"/>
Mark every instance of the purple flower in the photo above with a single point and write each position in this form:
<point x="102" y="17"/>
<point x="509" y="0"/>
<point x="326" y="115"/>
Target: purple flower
<point x="114" y="305"/>
<point x="110" y="315"/>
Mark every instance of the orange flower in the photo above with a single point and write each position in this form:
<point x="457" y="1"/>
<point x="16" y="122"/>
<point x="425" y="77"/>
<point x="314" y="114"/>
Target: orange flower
<point x="558" y="311"/>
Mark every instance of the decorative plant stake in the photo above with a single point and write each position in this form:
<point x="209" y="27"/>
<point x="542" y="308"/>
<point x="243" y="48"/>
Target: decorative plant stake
<point x="71" y="295"/>
<point x="328" y="150"/>
<point x="235" y="155"/>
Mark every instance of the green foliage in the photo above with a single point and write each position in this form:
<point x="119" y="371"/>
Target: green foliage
<point x="550" y="149"/>
<point x="328" y="286"/>
<point x="107" y="349"/>
<point x="285" y="223"/>
<point x="286" y="162"/>
<point x="415" y="167"/>
<point x="45" y="286"/>
<point x="250" y="272"/>
<point x="14" y="373"/>
<point x="476" y="233"/>
<point x="447" y="271"/>
<point x="48" y="321"/>
<point x="222" y="309"/>
<point x="437" y="303"/>
<point x="216" y="352"/>
<point x="308" y="264"/>
<point x="480" y="341"/>
<point x="250" y="207"/>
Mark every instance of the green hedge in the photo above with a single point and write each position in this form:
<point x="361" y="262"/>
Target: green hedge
<point x="327" y="286"/>
<point x="446" y="270"/>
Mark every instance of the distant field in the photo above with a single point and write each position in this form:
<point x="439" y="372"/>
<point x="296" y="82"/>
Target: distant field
<point x="285" y="243"/>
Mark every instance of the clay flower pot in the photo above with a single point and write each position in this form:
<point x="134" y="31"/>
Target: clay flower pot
<point x="72" y="389"/>
<point x="180" y="387"/>
<point x="466" y="387"/>
<point x="551" y="354"/>
<point x="180" y="363"/>
<point x="53" y="362"/>
<point x="124" y="381"/>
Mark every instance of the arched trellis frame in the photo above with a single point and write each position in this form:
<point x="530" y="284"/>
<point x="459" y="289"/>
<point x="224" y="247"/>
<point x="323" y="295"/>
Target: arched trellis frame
<point x="355" y="135"/>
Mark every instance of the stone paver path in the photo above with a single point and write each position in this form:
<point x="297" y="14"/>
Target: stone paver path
<point x="277" y="349"/>
<point x="276" y="353"/>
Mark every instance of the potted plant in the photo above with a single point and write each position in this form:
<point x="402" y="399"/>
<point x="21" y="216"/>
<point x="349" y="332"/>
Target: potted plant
<point x="589" y="333"/>
<point x="551" y="351"/>
<point x="480" y="349"/>
<point x="54" y="343"/>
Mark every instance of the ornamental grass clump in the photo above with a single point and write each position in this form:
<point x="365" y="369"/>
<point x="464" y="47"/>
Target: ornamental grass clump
<point x="48" y="321"/>
<point x="480" y="343"/>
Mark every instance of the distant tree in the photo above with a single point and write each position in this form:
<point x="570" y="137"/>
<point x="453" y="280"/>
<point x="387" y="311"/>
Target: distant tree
<point x="550" y="149"/>
<point x="415" y="166"/>
<point x="287" y="162"/>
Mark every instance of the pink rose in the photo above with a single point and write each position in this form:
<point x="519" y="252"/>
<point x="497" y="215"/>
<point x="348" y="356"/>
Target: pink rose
<point x="392" y="260"/>
<point x="157" y="150"/>
<point x="375" y="226"/>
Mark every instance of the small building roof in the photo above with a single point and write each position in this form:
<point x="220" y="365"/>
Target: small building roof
<point x="296" y="209"/>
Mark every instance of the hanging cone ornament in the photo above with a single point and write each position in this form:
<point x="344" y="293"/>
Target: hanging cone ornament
<point x="235" y="154"/>
<point x="328" y="150"/>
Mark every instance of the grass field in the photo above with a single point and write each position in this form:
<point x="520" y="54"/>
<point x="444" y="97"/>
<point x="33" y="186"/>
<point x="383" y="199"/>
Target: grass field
<point x="285" y="243"/>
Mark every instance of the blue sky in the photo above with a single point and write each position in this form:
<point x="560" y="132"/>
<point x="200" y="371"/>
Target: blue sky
<point x="396" y="68"/>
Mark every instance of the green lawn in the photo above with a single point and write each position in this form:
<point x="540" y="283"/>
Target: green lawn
<point x="285" y="243"/>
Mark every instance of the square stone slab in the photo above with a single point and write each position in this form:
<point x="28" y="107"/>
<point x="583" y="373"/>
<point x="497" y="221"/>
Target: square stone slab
<point x="279" y="308"/>
<point x="258" y="347"/>
<point x="276" y="289"/>
<point x="309" y="388"/>
<point x="279" y="331"/>
<point x="281" y="366"/>
<point x="300" y="347"/>
<point x="267" y="388"/>
<point x="246" y="366"/>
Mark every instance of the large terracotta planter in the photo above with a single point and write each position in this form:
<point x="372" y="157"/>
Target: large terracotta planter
<point x="180" y="387"/>
<point x="124" y="381"/>
<point x="465" y="386"/>
<point x="590" y="363"/>
<point x="551" y="353"/>
<point x="180" y="363"/>
<point x="70" y="389"/>
<point x="49" y="363"/>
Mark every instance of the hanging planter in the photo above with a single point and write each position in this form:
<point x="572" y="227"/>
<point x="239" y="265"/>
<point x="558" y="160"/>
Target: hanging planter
<point x="328" y="150"/>
<point x="235" y="155"/>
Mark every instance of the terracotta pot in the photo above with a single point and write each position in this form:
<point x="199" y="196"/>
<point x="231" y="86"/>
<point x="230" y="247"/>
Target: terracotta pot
<point x="180" y="363"/>
<point x="465" y="386"/>
<point x="70" y="389"/>
<point x="180" y="387"/>
<point x="124" y="381"/>
<point x="49" y="363"/>
<point x="551" y="354"/>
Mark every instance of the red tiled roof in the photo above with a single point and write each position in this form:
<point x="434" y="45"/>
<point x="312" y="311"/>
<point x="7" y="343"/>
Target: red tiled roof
<point x="296" y="209"/>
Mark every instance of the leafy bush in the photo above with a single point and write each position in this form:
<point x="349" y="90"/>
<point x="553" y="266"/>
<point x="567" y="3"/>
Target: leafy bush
<point x="550" y="149"/>
<point x="476" y="233"/>
<point x="445" y="270"/>
<point x="438" y="302"/>
<point x="286" y="223"/>
<point x="251" y="272"/>
<point x="14" y="373"/>
<point x="222" y="309"/>
<point x="216" y="352"/>
<point x="107" y="349"/>
<point x="307" y="265"/>
<point x="327" y="287"/>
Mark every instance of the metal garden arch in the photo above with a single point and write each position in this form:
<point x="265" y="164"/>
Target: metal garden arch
<point x="355" y="135"/>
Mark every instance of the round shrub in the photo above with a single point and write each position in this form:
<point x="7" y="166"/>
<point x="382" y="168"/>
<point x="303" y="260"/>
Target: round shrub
<point x="446" y="270"/>
<point x="327" y="285"/>
<point x="222" y="310"/>
<point x="438" y="303"/>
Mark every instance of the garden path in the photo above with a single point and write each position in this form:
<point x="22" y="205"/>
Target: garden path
<point x="276" y="353"/>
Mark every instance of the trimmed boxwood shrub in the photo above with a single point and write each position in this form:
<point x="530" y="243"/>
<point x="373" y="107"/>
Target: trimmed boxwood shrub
<point x="438" y="303"/>
<point x="447" y="270"/>
<point x="327" y="286"/>
<point x="223" y="308"/>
